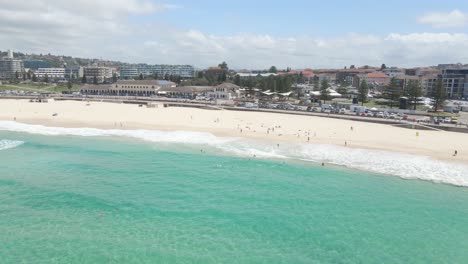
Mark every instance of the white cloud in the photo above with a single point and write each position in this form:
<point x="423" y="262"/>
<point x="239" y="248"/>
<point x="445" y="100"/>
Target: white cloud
<point x="455" y="18"/>
<point x="101" y="29"/>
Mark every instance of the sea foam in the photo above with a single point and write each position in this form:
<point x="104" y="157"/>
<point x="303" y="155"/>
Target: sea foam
<point x="384" y="162"/>
<point x="9" y="144"/>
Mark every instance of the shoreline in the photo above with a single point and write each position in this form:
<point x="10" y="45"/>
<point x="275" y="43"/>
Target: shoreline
<point x="267" y="127"/>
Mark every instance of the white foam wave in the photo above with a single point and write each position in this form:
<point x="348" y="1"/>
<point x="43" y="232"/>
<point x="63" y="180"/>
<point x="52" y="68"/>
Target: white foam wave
<point x="401" y="165"/>
<point x="147" y="135"/>
<point x="9" y="144"/>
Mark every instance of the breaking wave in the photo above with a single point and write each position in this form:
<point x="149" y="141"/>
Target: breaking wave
<point x="9" y="144"/>
<point x="384" y="162"/>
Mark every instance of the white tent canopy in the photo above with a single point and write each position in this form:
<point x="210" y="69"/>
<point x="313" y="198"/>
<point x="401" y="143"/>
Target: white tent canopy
<point x="332" y="92"/>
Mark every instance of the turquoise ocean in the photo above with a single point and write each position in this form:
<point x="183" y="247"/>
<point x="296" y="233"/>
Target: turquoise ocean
<point x="94" y="196"/>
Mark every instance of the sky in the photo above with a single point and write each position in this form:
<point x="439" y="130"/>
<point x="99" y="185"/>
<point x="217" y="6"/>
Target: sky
<point x="246" y="34"/>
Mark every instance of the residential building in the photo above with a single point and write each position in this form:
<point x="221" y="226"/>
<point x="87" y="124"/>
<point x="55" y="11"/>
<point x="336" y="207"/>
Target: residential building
<point x="393" y="72"/>
<point x="428" y="83"/>
<point x="11" y="68"/>
<point x="51" y="73"/>
<point x="426" y="71"/>
<point x="455" y="81"/>
<point x="132" y="71"/>
<point x="101" y="74"/>
<point x="375" y="79"/>
<point x="329" y="77"/>
<point x="224" y="91"/>
<point x="127" y="72"/>
<point x="347" y="75"/>
<point x="74" y="72"/>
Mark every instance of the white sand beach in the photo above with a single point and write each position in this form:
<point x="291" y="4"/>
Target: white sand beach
<point x="278" y="128"/>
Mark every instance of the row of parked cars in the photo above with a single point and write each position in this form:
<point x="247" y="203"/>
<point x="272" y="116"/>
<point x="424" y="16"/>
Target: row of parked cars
<point x="383" y="115"/>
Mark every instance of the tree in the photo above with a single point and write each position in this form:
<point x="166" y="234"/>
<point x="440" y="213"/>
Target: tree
<point x="46" y="78"/>
<point x="83" y="79"/>
<point x="166" y="76"/>
<point x="156" y="76"/>
<point x="16" y="75"/>
<point x="141" y="76"/>
<point x="200" y="75"/>
<point x="273" y="69"/>
<point x="300" y="78"/>
<point x="69" y="85"/>
<point x="316" y="84"/>
<point x="114" y="77"/>
<point x="95" y="80"/>
<point x="324" y="92"/>
<point x="414" y="91"/>
<point x="34" y="78"/>
<point x="223" y="65"/>
<point x="438" y="95"/>
<point x="342" y="89"/>
<point x="352" y="67"/>
<point x="237" y="80"/>
<point x="363" y="92"/>
<point x="383" y="67"/>
<point x="223" y="77"/>
<point x="392" y="92"/>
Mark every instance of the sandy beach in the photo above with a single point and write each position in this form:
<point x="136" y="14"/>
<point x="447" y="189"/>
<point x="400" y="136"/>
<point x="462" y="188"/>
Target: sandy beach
<point x="278" y="128"/>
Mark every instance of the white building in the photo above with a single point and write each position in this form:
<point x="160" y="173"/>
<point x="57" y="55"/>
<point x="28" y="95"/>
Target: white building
<point x="10" y="67"/>
<point x="394" y="72"/>
<point x="132" y="71"/>
<point x="74" y="72"/>
<point x="224" y="91"/>
<point x="52" y="73"/>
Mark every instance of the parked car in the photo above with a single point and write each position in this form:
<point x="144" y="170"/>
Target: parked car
<point x="342" y="111"/>
<point x="380" y="114"/>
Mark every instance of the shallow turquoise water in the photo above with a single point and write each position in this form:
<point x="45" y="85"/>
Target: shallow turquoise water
<point x="70" y="199"/>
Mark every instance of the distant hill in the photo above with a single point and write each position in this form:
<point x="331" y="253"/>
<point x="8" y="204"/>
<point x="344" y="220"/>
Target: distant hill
<point x="60" y="60"/>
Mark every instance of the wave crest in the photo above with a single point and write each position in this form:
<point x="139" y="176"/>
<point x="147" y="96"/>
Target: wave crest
<point x="9" y="144"/>
<point x="384" y="162"/>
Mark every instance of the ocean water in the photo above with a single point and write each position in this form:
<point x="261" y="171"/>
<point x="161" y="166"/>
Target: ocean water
<point x="94" y="196"/>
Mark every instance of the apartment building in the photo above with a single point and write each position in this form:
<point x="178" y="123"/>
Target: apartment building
<point x="455" y="81"/>
<point x="10" y="68"/>
<point x="52" y="73"/>
<point x="74" y="72"/>
<point x="184" y="71"/>
<point x="101" y="74"/>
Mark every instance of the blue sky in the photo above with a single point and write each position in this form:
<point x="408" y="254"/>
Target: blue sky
<point x="246" y="34"/>
<point x="324" y="18"/>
